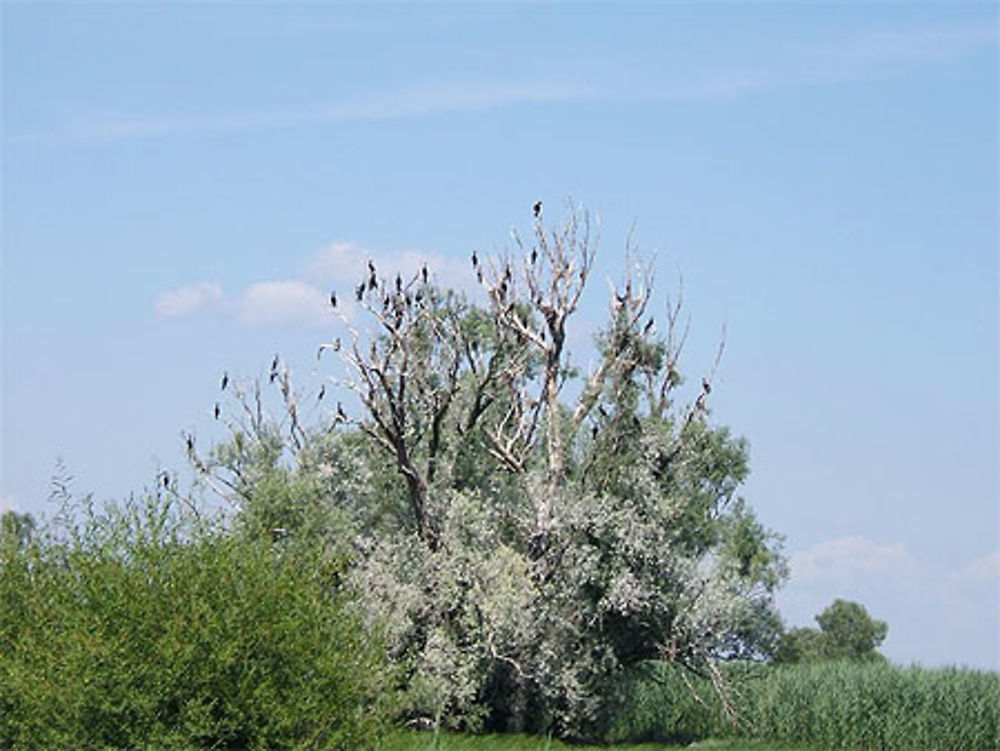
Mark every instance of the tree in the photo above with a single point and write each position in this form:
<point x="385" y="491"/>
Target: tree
<point x="846" y="631"/>
<point x="524" y="543"/>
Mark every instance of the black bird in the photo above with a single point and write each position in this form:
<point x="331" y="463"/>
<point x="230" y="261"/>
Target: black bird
<point x="190" y="444"/>
<point x="166" y="480"/>
<point x="399" y="284"/>
<point x="225" y="380"/>
<point x="217" y="411"/>
<point x="706" y="386"/>
<point x="359" y="292"/>
<point x="475" y="259"/>
<point x="649" y="326"/>
<point x="274" y="364"/>
<point x="604" y="412"/>
<point x="333" y="299"/>
<point x="322" y="393"/>
<point x="423" y="273"/>
<point x="537" y="208"/>
<point x="593" y="432"/>
<point x="534" y="256"/>
<point x="340" y="412"/>
<point x="371" y="267"/>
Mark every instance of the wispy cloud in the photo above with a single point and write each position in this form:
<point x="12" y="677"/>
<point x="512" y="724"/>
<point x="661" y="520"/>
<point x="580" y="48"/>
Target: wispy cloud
<point x="189" y="299"/>
<point x="857" y="57"/>
<point x="410" y="102"/>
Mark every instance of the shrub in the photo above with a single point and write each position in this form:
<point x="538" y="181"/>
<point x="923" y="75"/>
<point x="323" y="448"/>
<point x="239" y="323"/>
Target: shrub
<point x="143" y="627"/>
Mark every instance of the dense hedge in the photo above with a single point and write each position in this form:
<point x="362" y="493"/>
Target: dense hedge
<point x="143" y="629"/>
<point x="835" y="705"/>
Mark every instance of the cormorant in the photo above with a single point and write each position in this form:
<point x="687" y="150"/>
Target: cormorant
<point x="706" y="386"/>
<point x="217" y="411"/>
<point x="225" y="380"/>
<point x="399" y="283"/>
<point x="423" y="273"/>
<point x="333" y="299"/>
<point x="322" y="393"/>
<point x="340" y="412"/>
<point x="359" y="292"/>
<point x="475" y="259"/>
<point x="537" y="208"/>
<point x="534" y="256"/>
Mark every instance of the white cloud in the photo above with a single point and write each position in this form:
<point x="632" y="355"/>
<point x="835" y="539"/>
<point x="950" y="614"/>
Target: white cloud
<point x="345" y="264"/>
<point x="284" y="302"/>
<point x="849" y="557"/>
<point x="189" y="299"/>
<point x="984" y="569"/>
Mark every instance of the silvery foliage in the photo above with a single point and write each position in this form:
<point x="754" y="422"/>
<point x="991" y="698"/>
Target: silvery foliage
<point x="520" y="549"/>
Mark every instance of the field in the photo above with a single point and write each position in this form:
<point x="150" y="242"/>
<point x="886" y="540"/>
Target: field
<point x="426" y="741"/>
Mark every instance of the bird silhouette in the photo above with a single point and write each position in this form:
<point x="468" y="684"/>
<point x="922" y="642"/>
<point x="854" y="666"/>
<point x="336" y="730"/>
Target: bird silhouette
<point x="399" y="283"/>
<point x="648" y="327"/>
<point x="475" y="259"/>
<point x="537" y="208"/>
<point x="333" y="299"/>
<point x="534" y="256"/>
<point x="423" y="273"/>
<point x="166" y="480"/>
<point x="359" y="291"/>
<point x="225" y="380"/>
<point x="217" y="411"/>
<point x="706" y="386"/>
<point x="190" y="443"/>
<point x="340" y="411"/>
<point x="322" y="393"/>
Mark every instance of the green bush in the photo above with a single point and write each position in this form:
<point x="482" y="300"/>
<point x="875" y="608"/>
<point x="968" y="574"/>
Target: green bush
<point x="143" y="628"/>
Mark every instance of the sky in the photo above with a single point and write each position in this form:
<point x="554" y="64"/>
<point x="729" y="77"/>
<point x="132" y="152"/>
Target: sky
<point x="182" y="185"/>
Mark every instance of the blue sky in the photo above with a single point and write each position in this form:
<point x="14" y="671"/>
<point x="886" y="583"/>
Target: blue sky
<point x="183" y="183"/>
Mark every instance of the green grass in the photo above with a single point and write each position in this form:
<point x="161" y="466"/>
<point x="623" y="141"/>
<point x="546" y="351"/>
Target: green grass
<point x="428" y="741"/>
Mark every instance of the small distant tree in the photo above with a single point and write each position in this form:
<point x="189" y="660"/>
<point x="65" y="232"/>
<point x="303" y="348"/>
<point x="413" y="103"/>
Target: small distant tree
<point x="846" y="631"/>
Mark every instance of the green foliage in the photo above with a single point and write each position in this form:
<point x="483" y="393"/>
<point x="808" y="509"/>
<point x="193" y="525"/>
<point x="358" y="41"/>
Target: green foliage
<point x="845" y="704"/>
<point x="144" y="627"/>
<point x="847" y="631"/>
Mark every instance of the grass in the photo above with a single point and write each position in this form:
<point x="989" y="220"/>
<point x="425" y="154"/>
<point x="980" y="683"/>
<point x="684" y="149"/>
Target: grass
<point x="428" y="741"/>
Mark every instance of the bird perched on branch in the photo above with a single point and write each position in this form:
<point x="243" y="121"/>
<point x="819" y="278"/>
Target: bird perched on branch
<point x="706" y="386"/>
<point x="537" y="208"/>
<point x="359" y="291"/>
<point x="225" y="380"/>
<point x="475" y="259"/>
<point x="322" y="393"/>
<point x="217" y="411"/>
<point x="333" y="299"/>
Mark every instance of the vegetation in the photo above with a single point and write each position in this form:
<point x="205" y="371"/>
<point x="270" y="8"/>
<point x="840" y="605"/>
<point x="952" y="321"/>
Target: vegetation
<point x="844" y="704"/>
<point x="478" y="547"/>
<point x="522" y="548"/>
<point x="846" y="632"/>
<point x="142" y="626"/>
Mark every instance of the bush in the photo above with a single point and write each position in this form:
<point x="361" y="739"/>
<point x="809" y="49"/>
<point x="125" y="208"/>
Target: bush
<point x="143" y="627"/>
